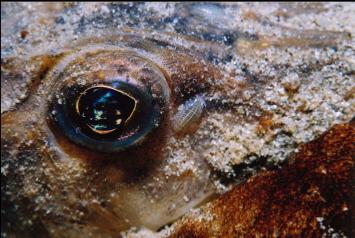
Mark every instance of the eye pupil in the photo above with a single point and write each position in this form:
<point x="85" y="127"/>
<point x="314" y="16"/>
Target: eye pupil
<point x="104" y="109"/>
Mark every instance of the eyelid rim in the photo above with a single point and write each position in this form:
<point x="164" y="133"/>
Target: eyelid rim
<point x="154" y="60"/>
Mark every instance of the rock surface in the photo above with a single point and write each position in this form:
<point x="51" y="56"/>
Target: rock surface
<point x="311" y="196"/>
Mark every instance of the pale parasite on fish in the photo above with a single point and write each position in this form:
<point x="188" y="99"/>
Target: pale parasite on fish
<point x="118" y="119"/>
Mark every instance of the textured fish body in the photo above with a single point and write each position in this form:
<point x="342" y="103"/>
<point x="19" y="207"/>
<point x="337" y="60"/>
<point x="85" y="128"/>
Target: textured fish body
<point x="247" y="84"/>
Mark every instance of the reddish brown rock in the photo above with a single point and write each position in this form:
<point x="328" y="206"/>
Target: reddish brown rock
<point x="311" y="196"/>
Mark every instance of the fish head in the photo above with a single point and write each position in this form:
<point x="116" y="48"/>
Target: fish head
<point x="109" y="124"/>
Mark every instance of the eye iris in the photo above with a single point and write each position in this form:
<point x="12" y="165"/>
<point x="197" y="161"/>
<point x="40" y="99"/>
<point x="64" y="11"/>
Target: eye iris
<point x="104" y="109"/>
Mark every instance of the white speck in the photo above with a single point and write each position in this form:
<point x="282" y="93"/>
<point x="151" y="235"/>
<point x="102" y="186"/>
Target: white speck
<point x="186" y="199"/>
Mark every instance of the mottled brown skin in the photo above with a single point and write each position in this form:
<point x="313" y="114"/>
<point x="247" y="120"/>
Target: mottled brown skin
<point x="318" y="181"/>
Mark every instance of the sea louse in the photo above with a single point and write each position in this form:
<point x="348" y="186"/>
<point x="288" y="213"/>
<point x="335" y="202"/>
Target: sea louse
<point x="188" y="114"/>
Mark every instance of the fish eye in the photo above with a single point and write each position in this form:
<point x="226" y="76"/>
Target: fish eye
<point x="104" y="109"/>
<point x="108" y="105"/>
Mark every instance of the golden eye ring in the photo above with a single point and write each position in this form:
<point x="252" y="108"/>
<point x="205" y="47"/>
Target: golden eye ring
<point x="119" y="121"/>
